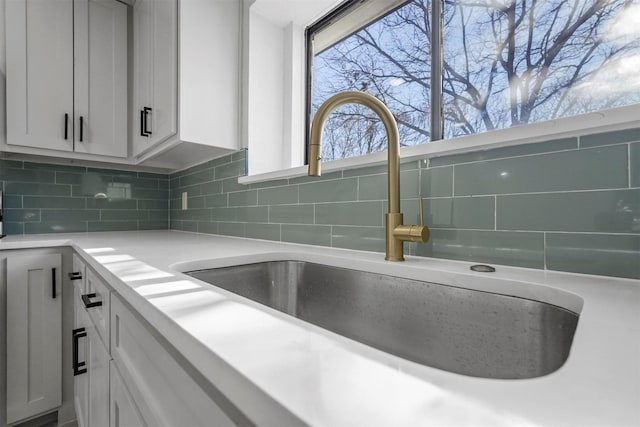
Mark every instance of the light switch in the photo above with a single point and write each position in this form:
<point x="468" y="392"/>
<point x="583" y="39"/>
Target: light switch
<point x="184" y="200"/>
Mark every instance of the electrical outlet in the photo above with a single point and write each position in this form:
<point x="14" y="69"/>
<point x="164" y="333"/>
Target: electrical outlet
<point x="184" y="200"/>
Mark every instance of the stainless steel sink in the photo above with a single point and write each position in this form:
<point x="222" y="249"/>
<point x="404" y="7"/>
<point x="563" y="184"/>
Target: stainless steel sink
<point x="469" y="332"/>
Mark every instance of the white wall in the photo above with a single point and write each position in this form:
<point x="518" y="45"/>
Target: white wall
<point x="265" y="95"/>
<point x="3" y="68"/>
<point x="273" y="92"/>
<point x="204" y="53"/>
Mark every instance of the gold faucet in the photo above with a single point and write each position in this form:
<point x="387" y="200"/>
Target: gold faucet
<point x="396" y="232"/>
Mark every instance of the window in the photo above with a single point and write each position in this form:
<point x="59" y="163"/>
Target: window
<point x="503" y="63"/>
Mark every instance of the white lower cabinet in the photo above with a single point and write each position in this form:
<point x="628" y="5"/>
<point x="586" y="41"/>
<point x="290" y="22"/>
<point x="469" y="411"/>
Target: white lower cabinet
<point x="163" y="391"/>
<point x="123" y="411"/>
<point x="91" y="364"/>
<point x="34" y="335"/>
<point x="124" y="376"/>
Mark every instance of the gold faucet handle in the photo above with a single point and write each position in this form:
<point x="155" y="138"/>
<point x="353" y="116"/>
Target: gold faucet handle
<point x="411" y="233"/>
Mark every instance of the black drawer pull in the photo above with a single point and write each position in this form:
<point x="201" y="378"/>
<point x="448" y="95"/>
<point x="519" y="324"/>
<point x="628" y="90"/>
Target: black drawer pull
<point x="86" y="299"/>
<point x="76" y="275"/>
<point x="53" y="283"/>
<point x="78" y="367"/>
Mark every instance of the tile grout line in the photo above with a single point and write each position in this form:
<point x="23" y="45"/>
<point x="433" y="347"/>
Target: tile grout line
<point x="629" y="164"/>
<point x="544" y="250"/>
<point x="495" y="212"/>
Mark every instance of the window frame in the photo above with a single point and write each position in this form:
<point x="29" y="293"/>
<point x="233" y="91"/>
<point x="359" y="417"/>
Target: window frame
<point x="614" y="119"/>
<point x="436" y="116"/>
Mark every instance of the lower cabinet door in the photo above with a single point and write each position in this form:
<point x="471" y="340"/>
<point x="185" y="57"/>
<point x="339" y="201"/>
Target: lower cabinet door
<point x="91" y="365"/>
<point x="98" y="369"/>
<point x="79" y="356"/>
<point x="34" y="335"/>
<point x="165" y="394"/>
<point x="123" y="411"/>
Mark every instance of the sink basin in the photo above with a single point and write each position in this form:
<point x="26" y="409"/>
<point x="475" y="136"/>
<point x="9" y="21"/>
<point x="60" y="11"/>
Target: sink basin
<point x="465" y="331"/>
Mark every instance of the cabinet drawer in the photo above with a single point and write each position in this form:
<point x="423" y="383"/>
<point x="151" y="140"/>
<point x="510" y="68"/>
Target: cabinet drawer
<point x="96" y="300"/>
<point x="164" y="393"/>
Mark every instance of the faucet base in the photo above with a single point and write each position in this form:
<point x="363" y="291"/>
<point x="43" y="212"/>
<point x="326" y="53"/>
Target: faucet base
<point x="394" y="247"/>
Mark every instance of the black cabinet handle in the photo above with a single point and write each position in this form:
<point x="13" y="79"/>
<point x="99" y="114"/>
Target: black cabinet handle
<point x="66" y="125"/>
<point x="146" y="110"/>
<point x="81" y="127"/>
<point x="76" y="275"/>
<point x="142" y="126"/>
<point x="78" y="367"/>
<point x="53" y="283"/>
<point x="86" y="299"/>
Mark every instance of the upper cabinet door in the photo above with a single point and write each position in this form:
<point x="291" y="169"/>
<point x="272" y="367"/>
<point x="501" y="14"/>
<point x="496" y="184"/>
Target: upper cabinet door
<point x="155" y="72"/>
<point x="164" y="117"/>
<point x="39" y="54"/>
<point x="143" y="72"/>
<point x="100" y="52"/>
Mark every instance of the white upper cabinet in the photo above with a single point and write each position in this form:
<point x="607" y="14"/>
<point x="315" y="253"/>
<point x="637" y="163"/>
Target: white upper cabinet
<point x="186" y="79"/>
<point x="39" y="55"/>
<point x="156" y="72"/>
<point x="67" y="76"/>
<point x="100" y="95"/>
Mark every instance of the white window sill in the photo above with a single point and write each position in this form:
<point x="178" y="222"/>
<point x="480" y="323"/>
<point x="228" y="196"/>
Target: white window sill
<point x="602" y="121"/>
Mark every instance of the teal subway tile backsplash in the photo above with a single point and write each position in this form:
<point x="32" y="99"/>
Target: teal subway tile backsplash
<point x="47" y="202"/>
<point x="36" y="189"/>
<point x="461" y="212"/>
<point x="605" y="254"/>
<point x="436" y="182"/>
<point x="614" y="211"/>
<point x="607" y="138"/>
<point x="207" y="227"/>
<point x="560" y="202"/>
<point x="284" y="195"/>
<point x="350" y="213"/>
<point x="500" y="247"/>
<point x="231" y="229"/>
<point x="230" y="170"/>
<point x="563" y="171"/>
<point x="499" y="153"/>
<point x="21" y="215"/>
<point x="336" y="190"/>
<point x="54" y="216"/>
<point x="57" y="227"/>
<point x="360" y="238"/>
<point x="310" y="234"/>
<point x="12" y="201"/>
<point x="243" y="198"/>
<point x="262" y="231"/>
<point x="571" y="204"/>
<point x="50" y="198"/>
<point x="374" y="187"/>
<point x="634" y="164"/>
<point x="252" y="214"/>
<point x="292" y="214"/>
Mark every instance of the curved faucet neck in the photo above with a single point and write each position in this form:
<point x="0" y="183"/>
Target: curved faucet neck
<point x="393" y="139"/>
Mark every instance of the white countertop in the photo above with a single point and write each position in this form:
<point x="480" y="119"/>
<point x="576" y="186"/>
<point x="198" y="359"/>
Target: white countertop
<point x="279" y="370"/>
